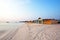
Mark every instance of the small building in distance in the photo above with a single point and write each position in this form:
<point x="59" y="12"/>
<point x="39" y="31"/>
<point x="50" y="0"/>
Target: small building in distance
<point x="7" y="22"/>
<point x="39" y="20"/>
<point x="50" y="21"/>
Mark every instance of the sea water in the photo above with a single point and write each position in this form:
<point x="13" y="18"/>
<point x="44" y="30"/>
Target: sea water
<point x="7" y="26"/>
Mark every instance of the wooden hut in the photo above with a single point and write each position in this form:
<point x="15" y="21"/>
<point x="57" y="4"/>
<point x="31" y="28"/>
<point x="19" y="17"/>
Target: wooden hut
<point x="40" y="20"/>
<point x="50" y="21"/>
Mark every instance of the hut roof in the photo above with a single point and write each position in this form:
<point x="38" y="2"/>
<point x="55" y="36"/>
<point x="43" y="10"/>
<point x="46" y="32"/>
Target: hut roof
<point x="39" y="18"/>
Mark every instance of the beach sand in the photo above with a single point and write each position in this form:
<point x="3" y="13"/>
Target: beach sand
<point x="38" y="32"/>
<point x="2" y="32"/>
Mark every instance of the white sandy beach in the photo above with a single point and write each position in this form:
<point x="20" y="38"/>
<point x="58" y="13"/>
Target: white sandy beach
<point x="36" y="32"/>
<point x="2" y="32"/>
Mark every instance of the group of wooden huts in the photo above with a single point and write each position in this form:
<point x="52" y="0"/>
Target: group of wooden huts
<point x="44" y="21"/>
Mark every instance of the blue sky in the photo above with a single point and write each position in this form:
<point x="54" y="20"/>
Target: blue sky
<point x="29" y="9"/>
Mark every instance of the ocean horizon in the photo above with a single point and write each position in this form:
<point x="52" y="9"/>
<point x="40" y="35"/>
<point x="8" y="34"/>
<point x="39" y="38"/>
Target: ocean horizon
<point x="8" y="26"/>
